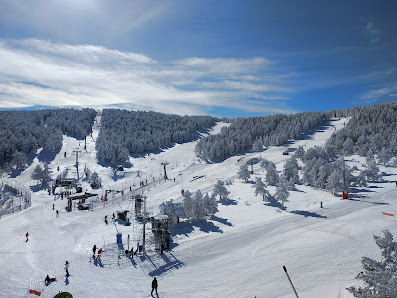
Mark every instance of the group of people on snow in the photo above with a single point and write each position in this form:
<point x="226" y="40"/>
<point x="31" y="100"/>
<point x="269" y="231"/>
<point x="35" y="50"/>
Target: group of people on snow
<point x="129" y="254"/>
<point x="98" y="257"/>
<point x="49" y="279"/>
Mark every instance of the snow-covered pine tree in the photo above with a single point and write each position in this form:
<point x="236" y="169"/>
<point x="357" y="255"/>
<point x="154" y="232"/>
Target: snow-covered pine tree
<point x="271" y="177"/>
<point x="19" y="159"/>
<point x="173" y="210"/>
<point x="221" y="190"/>
<point x="380" y="277"/>
<point x="291" y="170"/>
<point x="282" y="192"/>
<point x="300" y="152"/>
<point x="45" y="175"/>
<point x="335" y="182"/>
<point x="361" y="180"/>
<point x="243" y="173"/>
<point x="372" y="171"/>
<point x="384" y="156"/>
<point x="260" y="189"/>
<point x="210" y="204"/>
<point x="37" y="173"/>
<point x="258" y="144"/>
<point x="188" y="204"/>
<point x="198" y="206"/>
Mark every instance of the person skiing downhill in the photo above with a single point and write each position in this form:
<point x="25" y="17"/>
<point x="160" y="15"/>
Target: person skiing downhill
<point x="154" y="286"/>
<point x="27" y="236"/>
<point x="67" y="268"/>
<point x="106" y="219"/>
<point x="57" y="213"/>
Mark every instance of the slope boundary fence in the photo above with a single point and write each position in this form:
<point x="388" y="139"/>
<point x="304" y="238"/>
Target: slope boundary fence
<point x="14" y="197"/>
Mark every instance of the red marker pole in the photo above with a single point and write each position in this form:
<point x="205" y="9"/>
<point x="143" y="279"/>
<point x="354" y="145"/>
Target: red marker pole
<point x="296" y="294"/>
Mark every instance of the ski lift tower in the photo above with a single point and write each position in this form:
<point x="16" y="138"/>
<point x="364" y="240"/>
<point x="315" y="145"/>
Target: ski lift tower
<point x="141" y="216"/>
<point x="76" y="151"/>
<point x="164" y="163"/>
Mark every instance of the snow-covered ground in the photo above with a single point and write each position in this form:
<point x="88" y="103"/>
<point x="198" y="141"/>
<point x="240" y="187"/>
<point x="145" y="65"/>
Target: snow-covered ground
<point x="239" y="253"/>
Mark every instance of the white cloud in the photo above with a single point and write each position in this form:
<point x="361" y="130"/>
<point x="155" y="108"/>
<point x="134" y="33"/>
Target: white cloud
<point x="373" y="32"/>
<point x="36" y="72"/>
<point x="378" y="93"/>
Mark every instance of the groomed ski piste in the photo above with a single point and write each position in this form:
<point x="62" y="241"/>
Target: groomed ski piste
<point x="240" y="252"/>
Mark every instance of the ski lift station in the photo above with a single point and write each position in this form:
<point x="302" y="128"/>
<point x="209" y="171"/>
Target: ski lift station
<point x="65" y="182"/>
<point x="122" y="217"/>
<point x="160" y="231"/>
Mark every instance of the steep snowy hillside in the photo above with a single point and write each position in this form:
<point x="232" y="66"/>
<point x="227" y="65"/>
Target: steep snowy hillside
<point x="237" y="253"/>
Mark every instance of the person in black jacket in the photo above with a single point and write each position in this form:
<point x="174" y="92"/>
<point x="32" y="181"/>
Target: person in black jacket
<point x="94" y="250"/>
<point x="49" y="280"/>
<point x="154" y="286"/>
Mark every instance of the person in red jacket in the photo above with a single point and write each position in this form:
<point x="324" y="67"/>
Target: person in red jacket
<point x="27" y="236"/>
<point x="99" y="254"/>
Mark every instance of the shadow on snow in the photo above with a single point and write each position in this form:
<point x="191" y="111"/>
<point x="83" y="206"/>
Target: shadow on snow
<point x="307" y="213"/>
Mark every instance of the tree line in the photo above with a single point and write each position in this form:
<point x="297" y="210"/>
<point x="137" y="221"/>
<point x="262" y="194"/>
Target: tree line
<point x="23" y="132"/>
<point x="124" y="133"/>
<point x="257" y="133"/>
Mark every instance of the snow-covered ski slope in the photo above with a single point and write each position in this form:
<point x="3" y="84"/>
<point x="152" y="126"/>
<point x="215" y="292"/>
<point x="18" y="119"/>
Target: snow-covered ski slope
<point x="238" y="253"/>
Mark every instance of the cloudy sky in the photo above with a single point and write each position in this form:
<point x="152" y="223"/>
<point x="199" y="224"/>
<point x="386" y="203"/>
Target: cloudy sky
<point x="224" y="58"/>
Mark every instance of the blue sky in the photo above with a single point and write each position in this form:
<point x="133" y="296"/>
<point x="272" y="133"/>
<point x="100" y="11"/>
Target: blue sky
<point x="225" y="58"/>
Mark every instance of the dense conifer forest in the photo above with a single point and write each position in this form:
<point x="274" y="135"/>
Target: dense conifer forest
<point x="129" y="132"/>
<point x="23" y="132"/>
<point x="257" y="133"/>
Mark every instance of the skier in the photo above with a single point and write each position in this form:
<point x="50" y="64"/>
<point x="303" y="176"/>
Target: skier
<point x="53" y="206"/>
<point x="57" y="213"/>
<point x="162" y="248"/>
<point x="114" y="217"/>
<point x="106" y="219"/>
<point x="67" y="268"/>
<point x="132" y="252"/>
<point x="49" y="280"/>
<point x="154" y="286"/>
<point x="321" y="204"/>
<point x="94" y="250"/>
<point x="27" y="236"/>
<point x="99" y="254"/>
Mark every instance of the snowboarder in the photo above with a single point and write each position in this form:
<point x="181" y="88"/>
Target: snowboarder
<point x="67" y="268"/>
<point x="99" y="254"/>
<point x="106" y="219"/>
<point x="154" y="286"/>
<point x="321" y="204"/>
<point x="94" y="250"/>
<point x="57" y="213"/>
<point x="27" y="236"/>
<point x="49" y="280"/>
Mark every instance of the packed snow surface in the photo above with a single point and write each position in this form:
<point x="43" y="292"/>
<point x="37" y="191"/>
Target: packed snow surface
<point x="240" y="252"/>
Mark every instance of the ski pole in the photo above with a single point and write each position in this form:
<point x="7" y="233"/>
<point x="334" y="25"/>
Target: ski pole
<point x="296" y="294"/>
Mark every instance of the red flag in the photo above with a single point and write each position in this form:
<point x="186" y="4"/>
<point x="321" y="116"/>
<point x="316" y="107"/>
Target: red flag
<point x="390" y="214"/>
